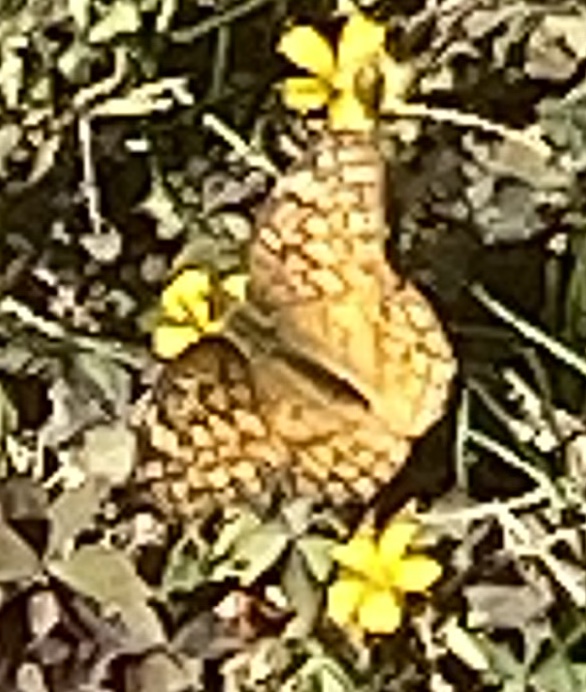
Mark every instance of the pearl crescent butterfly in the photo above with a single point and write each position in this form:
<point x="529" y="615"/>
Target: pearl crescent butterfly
<point x="323" y="377"/>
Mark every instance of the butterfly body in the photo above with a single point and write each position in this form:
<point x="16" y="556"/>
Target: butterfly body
<point x="329" y="369"/>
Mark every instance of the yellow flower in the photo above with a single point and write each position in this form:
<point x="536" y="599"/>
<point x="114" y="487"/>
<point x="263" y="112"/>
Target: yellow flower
<point x="186" y="310"/>
<point x="375" y="575"/>
<point x="187" y="296"/>
<point x="235" y="286"/>
<point x="336" y="80"/>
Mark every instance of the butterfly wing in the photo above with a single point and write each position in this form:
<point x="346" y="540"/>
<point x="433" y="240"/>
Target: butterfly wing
<point x="318" y="269"/>
<point x="202" y="430"/>
<point x="220" y="426"/>
<point x="327" y="373"/>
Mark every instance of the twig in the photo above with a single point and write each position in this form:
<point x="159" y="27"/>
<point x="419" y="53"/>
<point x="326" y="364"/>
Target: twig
<point x="82" y="101"/>
<point x="542" y="416"/>
<point x="529" y="331"/>
<point x="485" y="509"/>
<point x="524" y="543"/>
<point x="192" y="33"/>
<point x="239" y="145"/>
<point x="462" y="427"/>
<point x="89" y="184"/>
<point x="223" y="40"/>
<point x="519" y="428"/>
<point x="97" y="92"/>
<point x="468" y="120"/>
<point x="526" y="547"/>
<point x="509" y="457"/>
<point x="107" y="348"/>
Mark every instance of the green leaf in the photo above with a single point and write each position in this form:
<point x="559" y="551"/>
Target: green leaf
<point x="259" y="550"/>
<point x="73" y="511"/>
<point x="160" y="671"/>
<point x="75" y="62"/>
<point x="160" y="205"/>
<point x="122" y="17"/>
<point x="317" y="551"/>
<point x="504" y="664"/>
<point x="302" y="594"/>
<point x="10" y="135"/>
<point x="511" y="159"/>
<point x="8" y="414"/>
<point x="102" y="573"/>
<point x="80" y="12"/>
<point x="11" y="76"/>
<point x="22" y="498"/>
<point x="495" y="605"/>
<point x="297" y="514"/>
<point x="183" y="571"/>
<point x="546" y="58"/>
<point x="465" y="646"/>
<point x="324" y="674"/>
<point x="569" y="29"/>
<point x="109" y="451"/>
<point x="44" y="158"/>
<point x="330" y="681"/>
<point x="234" y="226"/>
<point x="8" y="424"/>
<point x="234" y="530"/>
<point x="560" y="674"/>
<point x="107" y="576"/>
<point x="112" y="379"/>
<point x="18" y="560"/>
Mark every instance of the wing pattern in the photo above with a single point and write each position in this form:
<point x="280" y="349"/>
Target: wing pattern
<point x="322" y="379"/>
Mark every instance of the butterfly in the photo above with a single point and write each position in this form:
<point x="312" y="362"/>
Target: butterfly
<point x="321" y="379"/>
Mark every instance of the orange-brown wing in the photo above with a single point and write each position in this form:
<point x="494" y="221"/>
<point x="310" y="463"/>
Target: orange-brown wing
<point x="415" y="363"/>
<point x="319" y="272"/>
<point x="218" y="428"/>
<point x="201" y="431"/>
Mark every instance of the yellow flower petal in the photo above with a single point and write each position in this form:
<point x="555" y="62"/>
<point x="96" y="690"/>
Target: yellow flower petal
<point x="415" y="573"/>
<point x="308" y="49"/>
<point x="213" y="326"/>
<point x="305" y="94"/>
<point x="347" y="113"/>
<point x="359" y="555"/>
<point x="344" y="597"/>
<point x="360" y="40"/>
<point x="170" y="340"/>
<point x="395" y="540"/>
<point x="379" y="612"/>
<point x="235" y="286"/>
<point x="188" y="289"/>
